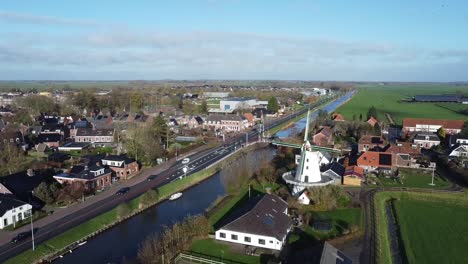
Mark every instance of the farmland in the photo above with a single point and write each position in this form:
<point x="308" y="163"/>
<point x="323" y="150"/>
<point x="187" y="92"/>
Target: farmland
<point x="432" y="227"/>
<point x="386" y="99"/>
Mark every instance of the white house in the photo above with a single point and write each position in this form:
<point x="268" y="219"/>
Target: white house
<point x="304" y="198"/>
<point x="265" y="225"/>
<point x="12" y="210"/>
<point x="235" y="103"/>
<point x="459" y="151"/>
<point x="426" y="140"/>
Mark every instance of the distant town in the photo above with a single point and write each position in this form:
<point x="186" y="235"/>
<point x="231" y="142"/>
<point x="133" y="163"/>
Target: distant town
<point x="79" y="160"/>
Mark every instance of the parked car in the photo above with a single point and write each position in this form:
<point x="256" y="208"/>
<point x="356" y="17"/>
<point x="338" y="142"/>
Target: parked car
<point x="20" y="237"/>
<point x="152" y="177"/>
<point x="123" y="190"/>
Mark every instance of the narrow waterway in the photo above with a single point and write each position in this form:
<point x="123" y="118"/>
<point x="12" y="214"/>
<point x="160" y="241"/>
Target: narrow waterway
<point x="300" y="125"/>
<point x="121" y="242"/>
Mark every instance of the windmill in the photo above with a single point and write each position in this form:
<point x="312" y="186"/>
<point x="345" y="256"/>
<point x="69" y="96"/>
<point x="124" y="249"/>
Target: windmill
<point x="307" y="173"/>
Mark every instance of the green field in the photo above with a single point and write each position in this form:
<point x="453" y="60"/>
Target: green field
<point x="415" y="179"/>
<point x="47" y="85"/>
<point x="386" y="98"/>
<point x="433" y="232"/>
<point x="341" y="220"/>
<point x="432" y="226"/>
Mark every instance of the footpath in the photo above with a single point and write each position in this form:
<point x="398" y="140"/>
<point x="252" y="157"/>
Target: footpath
<point x="59" y="213"/>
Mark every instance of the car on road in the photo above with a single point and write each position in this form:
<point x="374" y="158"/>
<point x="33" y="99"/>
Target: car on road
<point x="123" y="191"/>
<point x="20" y="237"/>
<point x="185" y="161"/>
<point x="152" y="177"/>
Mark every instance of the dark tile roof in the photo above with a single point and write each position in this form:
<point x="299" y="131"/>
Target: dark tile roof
<point x="21" y="185"/>
<point x="49" y="138"/>
<point x="265" y="218"/>
<point x="432" y="137"/>
<point x="94" y="132"/>
<point x="335" y="167"/>
<point x="81" y="172"/>
<point x="8" y="202"/>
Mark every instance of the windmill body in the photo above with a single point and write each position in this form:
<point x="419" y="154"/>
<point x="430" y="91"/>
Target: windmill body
<point x="307" y="173"/>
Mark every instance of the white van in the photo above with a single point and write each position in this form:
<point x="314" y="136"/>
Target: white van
<point x="185" y="161"/>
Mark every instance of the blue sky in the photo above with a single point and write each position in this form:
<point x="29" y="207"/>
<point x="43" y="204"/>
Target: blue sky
<point x="233" y="39"/>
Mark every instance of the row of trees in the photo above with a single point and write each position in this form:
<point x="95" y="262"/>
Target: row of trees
<point x="145" y="144"/>
<point x="164" y="247"/>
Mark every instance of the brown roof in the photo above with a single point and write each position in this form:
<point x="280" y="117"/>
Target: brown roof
<point x="375" y="159"/>
<point x="338" y="117"/>
<point x="404" y="148"/>
<point x="249" y="117"/>
<point x="354" y="171"/>
<point x="266" y="218"/>
<point x="372" y="121"/>
<point x="450" y="124"/>
<point x="369" y="139"/>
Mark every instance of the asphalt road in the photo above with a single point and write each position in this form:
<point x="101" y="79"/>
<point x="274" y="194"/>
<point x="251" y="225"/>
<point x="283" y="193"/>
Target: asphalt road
<point x="198" y="161"/>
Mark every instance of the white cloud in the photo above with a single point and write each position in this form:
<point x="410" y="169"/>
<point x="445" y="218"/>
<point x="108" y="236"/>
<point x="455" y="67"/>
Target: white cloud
<point x="219" y="55"/>
<point x="25" y="18"/>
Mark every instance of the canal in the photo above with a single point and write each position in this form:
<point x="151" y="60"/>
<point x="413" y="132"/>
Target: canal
<point x="121" y="242"/>
<point x="300" y="125"/>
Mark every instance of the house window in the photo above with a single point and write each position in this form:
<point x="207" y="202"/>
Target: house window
<point x="271" y="241"/>
<point x="261" y="241"/>
<point x="234" y="237"/>
<point x="307" y="167"/>
<point x="5" y="222"/>
<point x="222" y="235"/>
<point x="247" y="239"/>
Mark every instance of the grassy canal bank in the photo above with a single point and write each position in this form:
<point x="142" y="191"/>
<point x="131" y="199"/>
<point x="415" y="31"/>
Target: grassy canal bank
<point x="61" y="243"/>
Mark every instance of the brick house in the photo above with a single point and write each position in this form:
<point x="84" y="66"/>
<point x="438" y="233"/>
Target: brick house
<point x="93" y="177"/>
<point x="323" y="137"/>
<point x="123" y="167"/>
<point x="369" y="142"/>
<point x="404" y="153"/>
<point x="353" y="176"/>
<point x="432" y="125"/>
<point x="372" y="160"/>
<point x="94" y="135"/>
<point x="226" y="122"/>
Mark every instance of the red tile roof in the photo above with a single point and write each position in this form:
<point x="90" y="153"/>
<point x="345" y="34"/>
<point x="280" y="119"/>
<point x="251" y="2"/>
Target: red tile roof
<point x="249" y="117"/>
<point x="450" y="124"/>
<point x="372" y="121"/>
<point x="375" y="159"/>
<point x="338" y="117"/>
<point x="404" y="148"/>
<point x="354" y="171"/>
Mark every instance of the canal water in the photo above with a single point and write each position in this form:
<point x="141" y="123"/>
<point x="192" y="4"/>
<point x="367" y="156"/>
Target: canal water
<point x="300" y="125"/>
<point x="121" y="242"/>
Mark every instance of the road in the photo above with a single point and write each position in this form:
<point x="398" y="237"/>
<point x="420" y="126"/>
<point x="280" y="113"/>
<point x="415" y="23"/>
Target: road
<point x="198" y="161"/>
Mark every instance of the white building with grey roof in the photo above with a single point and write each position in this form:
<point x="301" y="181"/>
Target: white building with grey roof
<point x="264" y="223"/>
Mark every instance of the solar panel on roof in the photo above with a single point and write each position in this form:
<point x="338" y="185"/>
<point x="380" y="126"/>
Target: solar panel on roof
<point x="385" y="159"/>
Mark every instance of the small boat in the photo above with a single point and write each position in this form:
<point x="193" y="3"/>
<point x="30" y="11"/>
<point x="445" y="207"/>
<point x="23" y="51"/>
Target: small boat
<point x="175" y="196"/>
<point x="82" y="243"/>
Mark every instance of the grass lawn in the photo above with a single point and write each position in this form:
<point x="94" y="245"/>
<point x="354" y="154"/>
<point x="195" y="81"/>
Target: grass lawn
<point x="432" y="226"/>
<point x="341" y="220"/>
<point x="416" y="179"/>
<point x="210" y="247"/>
<point x="386" y="100"/>
<point x="433" y="232"/>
